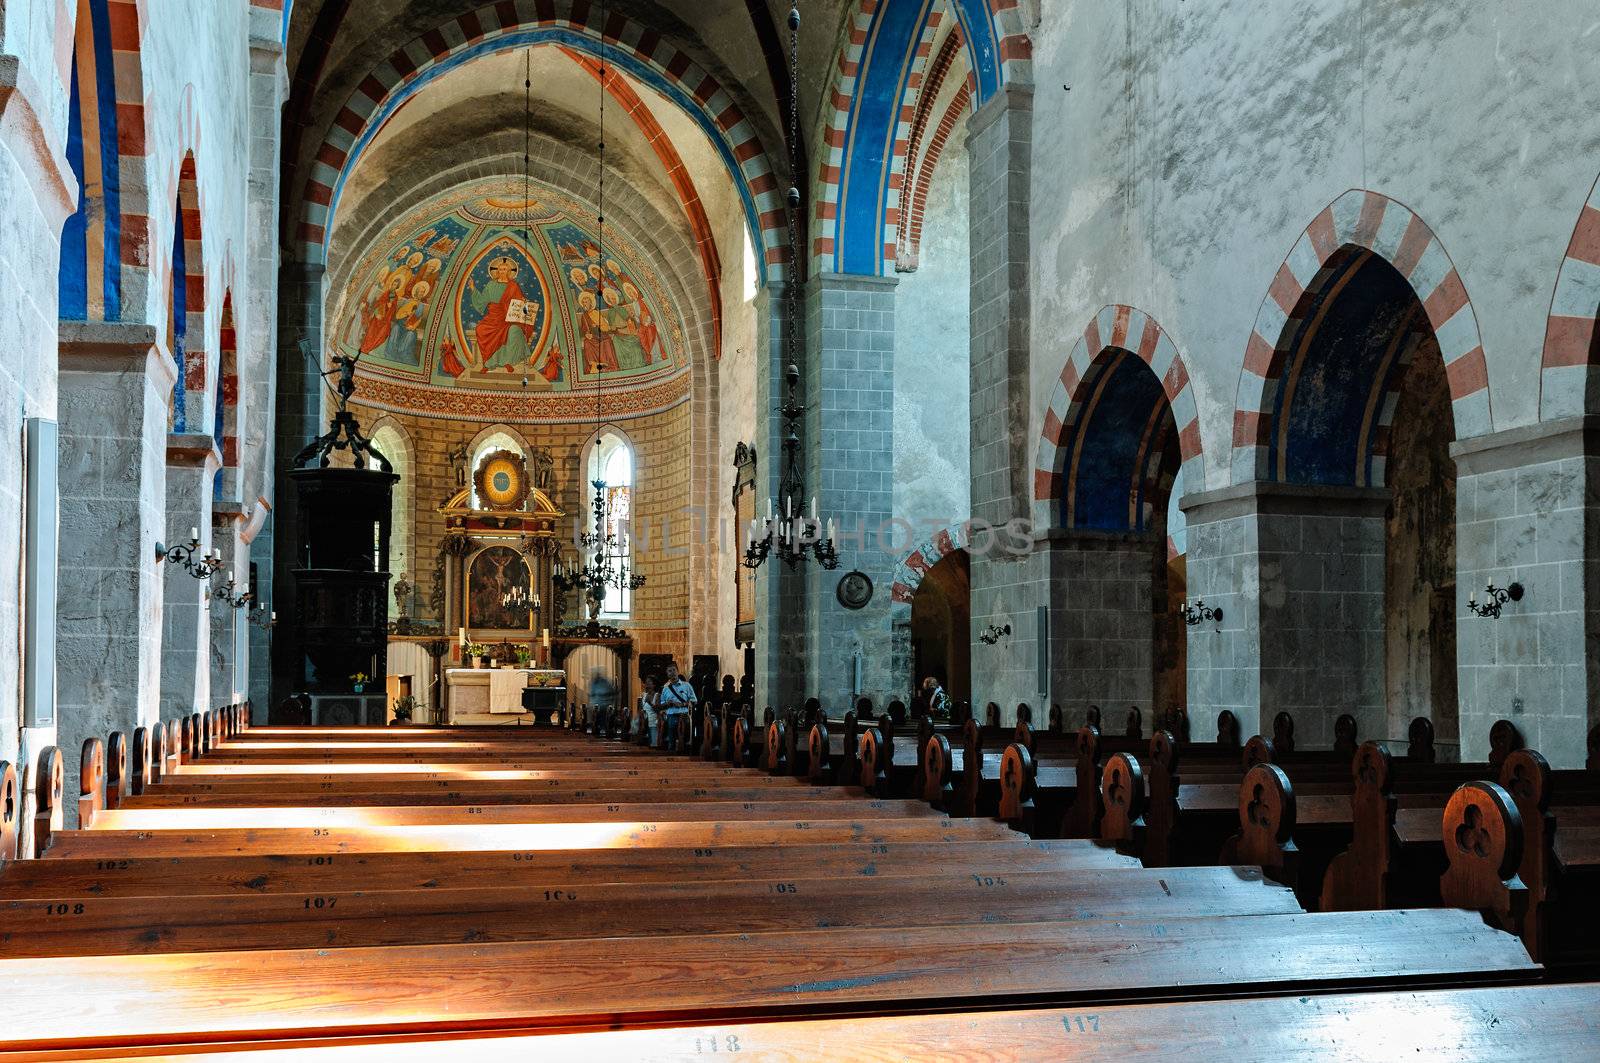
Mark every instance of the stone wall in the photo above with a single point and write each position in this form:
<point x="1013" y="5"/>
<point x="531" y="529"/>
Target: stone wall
<point x="1525" y="506"/>
<point x="662" y="521"/>
<point x="849" y="444"/>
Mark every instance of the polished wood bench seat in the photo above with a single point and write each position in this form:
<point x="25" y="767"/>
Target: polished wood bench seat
<point x="254" y="995"/>
<point x="562" y="906"/>
<point x="1501" y="1024"/>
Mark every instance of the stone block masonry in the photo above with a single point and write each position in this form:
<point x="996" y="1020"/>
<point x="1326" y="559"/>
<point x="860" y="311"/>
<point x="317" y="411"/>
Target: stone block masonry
<point x="1298" y="574"/>
<point x="1526" y="511"/>
<point x="1101" y="625"/>
<point x="849" y="440"/>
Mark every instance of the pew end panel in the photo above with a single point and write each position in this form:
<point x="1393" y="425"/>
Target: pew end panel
<point x="1483" y="842"/>
<point x="1266" y="825"/>
<point x="936" y="788"/>
<point x="1358" y="878"/>
<point x="1525" y="775"/>
<point x="1016" y="787"/>
<point x="116" y="769"/>
<point x="49" y="817"/>
<point x="1082" y="819"/>
<point x="817" y="765"/>
<point x="10" y="813"/>
<point x="1161" y="812"/>
<point x="1122" y="795"/>
<point x="91" y="782"/>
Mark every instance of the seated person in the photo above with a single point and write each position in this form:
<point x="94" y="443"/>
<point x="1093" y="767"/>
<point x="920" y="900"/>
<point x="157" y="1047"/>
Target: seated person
<point x="674" y="702"/>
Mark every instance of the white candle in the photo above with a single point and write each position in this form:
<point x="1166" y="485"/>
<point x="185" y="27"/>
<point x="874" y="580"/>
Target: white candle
<point x="830" y="529"/>
<point x="274" y="616"/>
<point x="461" y="633"/>
<point x="194" y="535"/>
<point x="788" y="504"/>
<point x="813" y="507"/>
<point x="230" y="577"/>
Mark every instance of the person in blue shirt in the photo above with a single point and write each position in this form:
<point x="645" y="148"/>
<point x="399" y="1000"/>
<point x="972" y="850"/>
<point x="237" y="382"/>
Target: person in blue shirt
<point x="675" y="702"/>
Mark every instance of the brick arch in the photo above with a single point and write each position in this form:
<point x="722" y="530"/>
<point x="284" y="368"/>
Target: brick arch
<point x="574" y="24"/>
<point x="1366" y="220"/>
<point x="105" y="252"/>
<point x="916" y="563"/>
<point x="930" y="135"/>
<point x="1571" y="341"/>
<point x="187" y="304"/>
<point x="1115" y="327"/>
<point x="869" y="111"/>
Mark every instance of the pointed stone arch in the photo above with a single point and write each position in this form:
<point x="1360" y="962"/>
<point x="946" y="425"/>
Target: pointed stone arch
<point x="1116" y="327"/>
<point x="1571" y="341"/>
<point x="1369" y="221"/>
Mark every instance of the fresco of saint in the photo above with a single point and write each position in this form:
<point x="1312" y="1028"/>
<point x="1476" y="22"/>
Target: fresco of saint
<point x="505" y="333"/>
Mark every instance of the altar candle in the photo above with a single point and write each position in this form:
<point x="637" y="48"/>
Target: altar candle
<point x="545" y="638"/>
<point x="461" y="634"/>
<point x="194" y="535"/>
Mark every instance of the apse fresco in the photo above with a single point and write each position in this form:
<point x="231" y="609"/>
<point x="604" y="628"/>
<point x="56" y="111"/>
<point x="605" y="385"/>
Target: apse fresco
<point x="509" y="297"/>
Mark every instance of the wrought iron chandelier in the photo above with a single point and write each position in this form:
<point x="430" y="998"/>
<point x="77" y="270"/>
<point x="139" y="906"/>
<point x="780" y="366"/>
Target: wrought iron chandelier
<point x="794" y="537"/>
<point x="606" y="568"/>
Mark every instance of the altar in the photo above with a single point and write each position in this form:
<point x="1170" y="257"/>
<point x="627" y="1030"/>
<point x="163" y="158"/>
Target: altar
<point x="500" y="697"/>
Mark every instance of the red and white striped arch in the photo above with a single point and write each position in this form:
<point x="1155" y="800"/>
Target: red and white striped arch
<point x="1567" y="375"/>
<point x="1363" y="219"/>
<point x="1118" y="327"/>
<point x="473" y="31"/>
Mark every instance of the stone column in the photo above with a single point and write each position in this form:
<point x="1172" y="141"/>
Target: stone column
<point x="1298" y="574"/>
<point x="192" y="464"/>
<point x="1102" y="636"/>
<point x="1007" y="583"/>
<point x="1526" y="508"/>
<point x="849" y="438"/>
<point x="227" y="664"/>
<point x="780" y="594"/>
<point x="116" y="384"/>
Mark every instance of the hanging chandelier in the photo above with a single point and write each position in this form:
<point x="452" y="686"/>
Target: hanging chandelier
<point x="606" y="568"/>
<point x="794" y="537"/>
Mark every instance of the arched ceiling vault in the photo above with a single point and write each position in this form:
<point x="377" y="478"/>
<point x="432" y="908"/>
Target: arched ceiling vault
<point x="373" y="57"/>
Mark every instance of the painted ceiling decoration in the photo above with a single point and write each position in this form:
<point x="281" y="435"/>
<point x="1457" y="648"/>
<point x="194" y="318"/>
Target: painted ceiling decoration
<point x="457" y="313"/>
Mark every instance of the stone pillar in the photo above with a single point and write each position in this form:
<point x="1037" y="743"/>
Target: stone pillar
<point x="1526" y="508"/>
<point x="227" y="664"/>
<point x="1298" y="574"/>
<point x="116" y="384"/>
<point x="1007" y="581"/>
<point x="780" y="641"/>
<point x="849" y="442"/>
<point x="192" y="464"/>
<point x="1102" y="635"/>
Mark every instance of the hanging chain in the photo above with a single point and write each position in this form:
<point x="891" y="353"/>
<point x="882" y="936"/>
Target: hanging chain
<point x="600" y="286"/>
<point x="796" y="266"/>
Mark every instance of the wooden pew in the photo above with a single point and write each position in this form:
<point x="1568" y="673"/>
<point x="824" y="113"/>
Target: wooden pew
<point x="1527" y="1022"/>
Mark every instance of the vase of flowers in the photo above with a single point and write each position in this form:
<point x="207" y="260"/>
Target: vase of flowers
<point x="404" y="707"/>
<point x="358" y="681"/>
<point x="476" y="654"/>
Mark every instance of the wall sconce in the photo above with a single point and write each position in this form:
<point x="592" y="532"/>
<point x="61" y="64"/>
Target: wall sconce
<point x="183" y="555"/>
<point x="262" y="618"/>
<point x="1495" y="600"/>
<point x="1199" y="613"/>
<point x="225" y="594"/>
<point x="994" y="633"/>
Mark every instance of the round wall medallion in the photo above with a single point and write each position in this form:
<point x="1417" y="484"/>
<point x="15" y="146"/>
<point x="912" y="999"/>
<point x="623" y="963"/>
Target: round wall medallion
<point x="854" y="590"/>
<point x="502" y="480"/>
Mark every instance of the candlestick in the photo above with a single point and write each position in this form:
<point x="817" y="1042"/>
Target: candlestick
<point x="194" y="535"/>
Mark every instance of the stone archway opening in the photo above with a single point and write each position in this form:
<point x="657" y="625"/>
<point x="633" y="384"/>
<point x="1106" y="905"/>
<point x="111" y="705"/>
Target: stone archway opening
<point x="941" y="619"/>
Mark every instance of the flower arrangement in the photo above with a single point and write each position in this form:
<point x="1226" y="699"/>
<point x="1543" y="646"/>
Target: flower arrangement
<point x="523" y="656"/>
<point x="358" y="680"/>
<point x="404" y="706"/>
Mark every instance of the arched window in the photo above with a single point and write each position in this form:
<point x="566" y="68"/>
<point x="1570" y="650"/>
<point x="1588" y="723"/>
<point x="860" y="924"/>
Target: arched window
<point x="611" y="462"/>
<point x="393" y="443"/>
